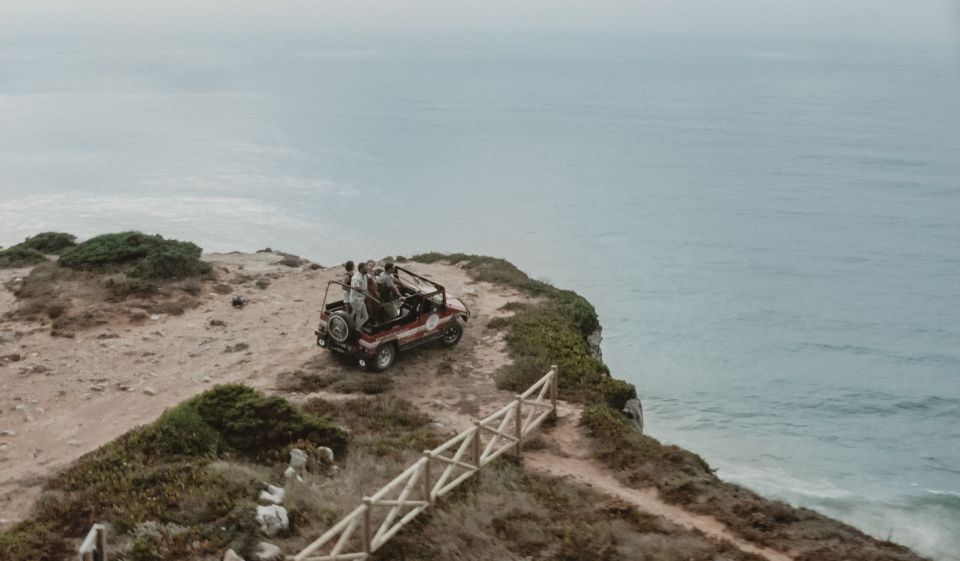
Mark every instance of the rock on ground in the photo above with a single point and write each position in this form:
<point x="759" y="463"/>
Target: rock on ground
<point x="272" y="519"/>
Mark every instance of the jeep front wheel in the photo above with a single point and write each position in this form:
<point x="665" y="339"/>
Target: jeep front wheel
<point x="452" y="334"/>
<point x="385" y="357"/>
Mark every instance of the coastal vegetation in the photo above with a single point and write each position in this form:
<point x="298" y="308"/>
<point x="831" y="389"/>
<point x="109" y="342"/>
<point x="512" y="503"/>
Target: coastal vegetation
<point x="181" y="487"/>
<point x="128" y="273"/>
<point x="186" y="486"/>
<point x="554" y="329"/>
<point x="137" y="255"/>
<point x="35" y="249"/>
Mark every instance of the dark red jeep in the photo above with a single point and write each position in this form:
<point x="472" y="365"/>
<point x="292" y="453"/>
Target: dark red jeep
<point x="425" y="313"/>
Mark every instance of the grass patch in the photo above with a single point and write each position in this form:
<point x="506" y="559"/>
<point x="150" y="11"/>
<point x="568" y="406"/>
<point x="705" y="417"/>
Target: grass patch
<point x="508" y="514"/>
<point x="51" y="243"/>
<point x="379" y="426"/>
<point x="16" y="256"/>
<point x="137" y="255"/>
<point x="553" y="330"/>
<point x="185" y="469"/>
<point x="35" y="249"/>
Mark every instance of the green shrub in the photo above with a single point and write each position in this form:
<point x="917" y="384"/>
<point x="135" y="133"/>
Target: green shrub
<point x="167" y="472"/>
<point x="553" y="330"/>
<point x="18" y="256"/>
<point x="255" y="425"/>
<point x="145" y="550"/>
<point x="180" y="431"/>
<point x="616" y="393"/>
<point x="50" y="242"/>
<point x="621" y="447"/>
<point x="140" y="255"/>
<point x="489" y="269"/>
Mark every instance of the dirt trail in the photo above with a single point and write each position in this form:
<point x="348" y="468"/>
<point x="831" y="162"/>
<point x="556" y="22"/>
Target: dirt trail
<point x="67" y="397"/>
<point x="566" y="455"/>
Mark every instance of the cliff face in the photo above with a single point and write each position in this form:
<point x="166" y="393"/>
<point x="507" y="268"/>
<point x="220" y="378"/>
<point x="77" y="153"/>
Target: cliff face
<point x="125" y="372"/>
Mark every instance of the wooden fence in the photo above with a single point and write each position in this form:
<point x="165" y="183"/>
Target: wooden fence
<point x="383" y="514"/>
<point x="94" y="546"/>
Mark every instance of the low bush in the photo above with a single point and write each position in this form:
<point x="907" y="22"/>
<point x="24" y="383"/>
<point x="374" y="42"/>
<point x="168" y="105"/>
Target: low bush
<point x="553" y="330"/>
<point x="381" y="425"/>
<point x="138" y="255"/>
<point x="50" y="242"/>
<point x="17" y="256"/>
<point x="168" y="472"/>
<point x="257" y="426"/>
<point x="616" y="393"/>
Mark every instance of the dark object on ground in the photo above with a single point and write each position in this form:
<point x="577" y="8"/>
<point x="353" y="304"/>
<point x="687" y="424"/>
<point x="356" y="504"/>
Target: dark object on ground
<point x="238" y="301"/>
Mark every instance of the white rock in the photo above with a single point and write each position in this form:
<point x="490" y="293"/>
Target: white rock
<point x="155" y="318"/>
<point x="326" y="453"/>
<point x="290" y="473"/>
<point x="272" y="519"/>
<point x="150" y="391"/>
<point x="273" y="494"/>
<point x="4" y="447"/>
<point x="298" y="459"/>
<point x="267" y="552"/>
<point x="8" y="432"/>
<point x="96" y="388"/>
<point x="20" y="407"/>
<point x="231" y="555"/>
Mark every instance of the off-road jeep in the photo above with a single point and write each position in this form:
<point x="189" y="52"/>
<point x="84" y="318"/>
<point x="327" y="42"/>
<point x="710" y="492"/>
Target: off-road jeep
<point x="425" y="314"/>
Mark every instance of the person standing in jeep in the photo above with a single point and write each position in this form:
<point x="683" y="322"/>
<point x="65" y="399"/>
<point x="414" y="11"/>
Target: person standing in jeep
<point x="347" y="280"/>
<point x="358" y="283"/>
<point x="389" y="293"/>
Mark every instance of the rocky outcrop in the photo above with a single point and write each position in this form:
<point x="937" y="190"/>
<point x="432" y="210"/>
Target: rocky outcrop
<point x="633" y="410"/>
<point x="594" y="341"/>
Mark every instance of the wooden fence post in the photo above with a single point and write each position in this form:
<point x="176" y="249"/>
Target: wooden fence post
<point x="101" y="543"/>
<point x="553" y="387"/>
<point x="426" y="478"/>
<point x="367" y="530"/>
<point x="518" y="423"/>
<point x="477" y="452"/>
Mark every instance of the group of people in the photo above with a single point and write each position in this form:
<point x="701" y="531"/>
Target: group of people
<point x="373" y="293"/>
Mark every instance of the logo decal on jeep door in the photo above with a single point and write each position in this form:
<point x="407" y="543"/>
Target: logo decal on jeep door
<point x="432" y="322"/>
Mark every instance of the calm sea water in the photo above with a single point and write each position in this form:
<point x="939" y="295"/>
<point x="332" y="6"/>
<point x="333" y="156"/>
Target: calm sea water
<point x="769" y="231"/>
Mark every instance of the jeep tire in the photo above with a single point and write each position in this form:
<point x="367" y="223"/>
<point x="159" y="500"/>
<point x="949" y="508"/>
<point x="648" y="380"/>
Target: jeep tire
<point x="452" y="334"/>
<point x="339" y="326"/>
<point x="384" y="358"/>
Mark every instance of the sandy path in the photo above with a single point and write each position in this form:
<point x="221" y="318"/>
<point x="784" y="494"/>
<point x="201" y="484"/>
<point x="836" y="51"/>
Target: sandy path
<point x="566" y="455"/>
<point x="67" y="397"/>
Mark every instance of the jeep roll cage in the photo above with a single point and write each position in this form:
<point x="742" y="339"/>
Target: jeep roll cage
<point x="412" y="287"/>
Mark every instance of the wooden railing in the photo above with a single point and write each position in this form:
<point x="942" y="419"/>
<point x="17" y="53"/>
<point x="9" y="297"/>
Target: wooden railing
<point x="383" y="514"/>
<point x="94" y="546"/>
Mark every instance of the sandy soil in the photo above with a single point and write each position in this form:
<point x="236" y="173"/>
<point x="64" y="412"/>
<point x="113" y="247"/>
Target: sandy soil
<point x="66" y="397"/>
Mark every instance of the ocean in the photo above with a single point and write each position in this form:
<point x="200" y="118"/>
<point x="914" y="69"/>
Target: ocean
<point x="770" y="230"/>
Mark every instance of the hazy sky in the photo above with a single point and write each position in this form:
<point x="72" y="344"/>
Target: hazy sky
<point x="911" y="20"/>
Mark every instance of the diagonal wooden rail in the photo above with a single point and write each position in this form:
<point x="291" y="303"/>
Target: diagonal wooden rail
<point x="380" y="516"/>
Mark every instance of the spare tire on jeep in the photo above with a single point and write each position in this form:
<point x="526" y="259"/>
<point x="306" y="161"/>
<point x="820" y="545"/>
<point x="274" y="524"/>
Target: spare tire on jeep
<point x="339" y="326"/>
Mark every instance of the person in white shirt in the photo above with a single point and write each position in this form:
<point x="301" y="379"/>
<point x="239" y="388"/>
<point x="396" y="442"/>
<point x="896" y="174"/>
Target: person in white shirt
<point x="358" y="284"/>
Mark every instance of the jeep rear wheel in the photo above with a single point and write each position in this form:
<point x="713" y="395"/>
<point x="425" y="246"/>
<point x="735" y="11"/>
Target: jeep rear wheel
<point x="384" y="358"/>
<point x="338" y="326"/>
<point x="452" y="334"/>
